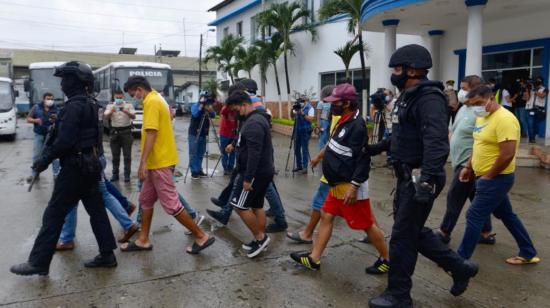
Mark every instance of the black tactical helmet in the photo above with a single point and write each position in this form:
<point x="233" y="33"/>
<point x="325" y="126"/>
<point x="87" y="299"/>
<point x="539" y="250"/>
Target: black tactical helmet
<point x="413" y="56"/>
<point x="81" y="70"/>
<point x="250" y="85"/>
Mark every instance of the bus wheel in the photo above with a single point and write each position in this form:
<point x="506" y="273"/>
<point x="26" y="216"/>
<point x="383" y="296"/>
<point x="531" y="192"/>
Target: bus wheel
<point x="11" y="137"/>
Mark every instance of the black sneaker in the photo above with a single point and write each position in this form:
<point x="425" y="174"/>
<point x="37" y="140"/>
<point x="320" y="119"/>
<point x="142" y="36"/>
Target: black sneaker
<point x="488" y="240"/>
<point x="248" y="246"/>
<point x="218" y="216"/>
<point x="27" y="269"/>
<point x="388" y="301"/>
<point x="461" y="278"/>
<point x="443" y="237"/>
<point x="274" y="228"/>
<point x="102" y="260"/>
<point x="216" y="202"/>
<point x="297" y="170"/>
<point x="258" y="246"/>
<point x="202" y="174"/>
<point x="381" y="266"/>
<point x="304" y="259"/>
<point x="195" y="176"/>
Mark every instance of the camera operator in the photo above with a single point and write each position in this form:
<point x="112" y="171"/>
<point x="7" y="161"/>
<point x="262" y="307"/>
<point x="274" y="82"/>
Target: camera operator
<point x="197" y="139"/>
<point x="381" y="108"/>
<point x="303" y="113"/>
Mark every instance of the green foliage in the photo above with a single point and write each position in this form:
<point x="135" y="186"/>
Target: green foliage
<point x="283" y="121"/>
<point x="212" y="86"/>
<point x="223" y="55"/>
<point x="346" y="53"/>
<point x="334" y="7"/>
<point x="245" y="59"/>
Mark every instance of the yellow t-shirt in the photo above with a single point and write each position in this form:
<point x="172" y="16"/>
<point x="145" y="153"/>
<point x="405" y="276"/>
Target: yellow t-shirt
<point x="156" y="116"/>
<point x="333" y="123"/>
<point x="498" y="127"/>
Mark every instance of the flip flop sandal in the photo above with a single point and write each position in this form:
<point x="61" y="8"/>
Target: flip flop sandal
<point x="522" y="261"/>
<point x="132" y="246"/>
<point x="295" y="236"/>
<point x="196" y="248"/>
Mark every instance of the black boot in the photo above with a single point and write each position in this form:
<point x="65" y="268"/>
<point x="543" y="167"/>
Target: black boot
<point x="386" y="300"/>
<point x="115" y="177"/>
<point x="27" y="269"/>
<point x="102" y="260"/>
<point x="461" y="277"/>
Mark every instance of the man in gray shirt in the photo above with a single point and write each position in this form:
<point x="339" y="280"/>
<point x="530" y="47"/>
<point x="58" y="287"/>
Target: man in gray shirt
<point x="462" y="143"/>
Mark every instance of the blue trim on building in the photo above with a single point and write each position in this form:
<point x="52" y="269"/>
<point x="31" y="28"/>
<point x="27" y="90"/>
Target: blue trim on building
<point x="390" y="22"/>
<point x="544" y="43"/>
<point x="371" y="8"/>
<point x="235" y="12"/>
<point x="436" y="32"/>
<point x="475" y="2"/>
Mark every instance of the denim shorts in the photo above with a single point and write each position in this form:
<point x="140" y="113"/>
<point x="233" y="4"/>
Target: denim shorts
<point x="320" y="195"/>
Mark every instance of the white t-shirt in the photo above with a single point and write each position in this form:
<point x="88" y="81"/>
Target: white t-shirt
<point x="539" y="101"/>
<point x="504" y="101"/>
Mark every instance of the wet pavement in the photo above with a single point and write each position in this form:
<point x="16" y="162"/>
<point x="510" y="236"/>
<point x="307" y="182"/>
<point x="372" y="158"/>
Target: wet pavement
<point x="223" y="276"/>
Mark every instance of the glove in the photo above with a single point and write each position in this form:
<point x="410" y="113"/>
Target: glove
<point x="424" y="191"/>
<point x="40" y="165"/>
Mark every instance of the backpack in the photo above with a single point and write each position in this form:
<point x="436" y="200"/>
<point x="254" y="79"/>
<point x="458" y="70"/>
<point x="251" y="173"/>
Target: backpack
<point x="452" y="99"/>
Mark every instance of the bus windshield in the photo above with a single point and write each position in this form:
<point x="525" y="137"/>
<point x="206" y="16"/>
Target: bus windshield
<point x="6" y="97"/>
<point x="158" y="78"/>
<point x="44" y="81"/>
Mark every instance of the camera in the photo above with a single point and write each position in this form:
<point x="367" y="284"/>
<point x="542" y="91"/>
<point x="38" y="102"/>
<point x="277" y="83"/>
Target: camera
<point x="378" y="100"/>
<point x="206" y="98"/>
<point x="298" y="104"/>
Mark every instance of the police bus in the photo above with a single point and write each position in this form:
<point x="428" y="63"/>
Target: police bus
<point x="41" y="80"/>
<point x="8" y="112"/>
<point x="113" y="76"/>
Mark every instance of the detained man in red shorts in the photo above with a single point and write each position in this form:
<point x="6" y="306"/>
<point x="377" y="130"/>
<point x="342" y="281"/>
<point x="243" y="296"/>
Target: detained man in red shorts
<point x="346" y="167"/>
<point x="159" y="156"/>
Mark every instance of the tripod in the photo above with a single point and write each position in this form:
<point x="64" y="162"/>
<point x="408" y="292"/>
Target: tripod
<point x="292" y="139"/>
<point x="379" y="123"/>
<point x="205" y="117"/>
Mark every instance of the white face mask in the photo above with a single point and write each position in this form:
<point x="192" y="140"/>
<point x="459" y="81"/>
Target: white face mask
<point x="462" y="96"/>
<point x="480" y="111"/>
<point x="49" y="102"/>
<point x="449" y="87"/>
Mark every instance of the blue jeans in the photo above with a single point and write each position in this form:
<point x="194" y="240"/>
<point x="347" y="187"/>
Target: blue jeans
<point x="531" y="132"/>
<point x="492" y="197"/>
<point x="320" y="196"/>
<point x="522" y="114"/>
<point x="111" y="203"/>
<point x="113" y="190"/>
<point x="325" y="133"/>
<point x="197" y="148"/>
<point x="301" y="148"/>
<point x="228" y="160"/>
<point x="37" y="145"/>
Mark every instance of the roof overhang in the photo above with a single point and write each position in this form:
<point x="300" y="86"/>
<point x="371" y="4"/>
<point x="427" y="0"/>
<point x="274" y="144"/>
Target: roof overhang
<point x="235" y="12"/>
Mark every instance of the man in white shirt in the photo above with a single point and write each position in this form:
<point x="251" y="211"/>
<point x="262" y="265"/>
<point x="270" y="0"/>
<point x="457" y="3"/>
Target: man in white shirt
<point x="121" y="114"/>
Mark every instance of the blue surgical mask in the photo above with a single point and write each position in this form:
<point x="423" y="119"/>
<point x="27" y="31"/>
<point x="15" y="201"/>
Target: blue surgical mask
<point x="388" y="98"/>
<point x="119" y="101"/>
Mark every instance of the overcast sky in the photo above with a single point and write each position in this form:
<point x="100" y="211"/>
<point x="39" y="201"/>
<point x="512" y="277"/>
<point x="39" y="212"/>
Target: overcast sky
<point x="106" y="25"/>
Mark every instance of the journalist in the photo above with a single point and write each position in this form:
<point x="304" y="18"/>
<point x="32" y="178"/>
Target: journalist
<point x="199" y="127"/>
<point x="303" y="113"/>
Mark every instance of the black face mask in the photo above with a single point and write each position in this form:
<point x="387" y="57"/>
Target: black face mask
<point x="337" y="110"/>
<point x="399" y="81"/>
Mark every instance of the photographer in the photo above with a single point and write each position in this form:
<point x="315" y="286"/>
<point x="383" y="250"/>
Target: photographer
<point x="381" y="108"/>
<point x="121" y="114"/>
<point x="303" y="113"/>
<point x="197" y="139"/>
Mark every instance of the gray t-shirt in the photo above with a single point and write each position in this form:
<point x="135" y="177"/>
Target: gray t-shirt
<point x="462" y="140"/>
<point x="324" y="109"/>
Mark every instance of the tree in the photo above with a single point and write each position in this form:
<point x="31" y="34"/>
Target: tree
<point x="269" y="52"/>
<point x="286" y="18"/>
<point x="223" y="55"/>
<point x="346" y="53"/>
<point x="245" y="59"/>
<point x="353" y="8"/>
<point x="211" y="86"/>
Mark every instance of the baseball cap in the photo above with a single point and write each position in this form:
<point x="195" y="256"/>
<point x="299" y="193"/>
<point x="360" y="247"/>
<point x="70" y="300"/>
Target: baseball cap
<point x="342" y="92"/>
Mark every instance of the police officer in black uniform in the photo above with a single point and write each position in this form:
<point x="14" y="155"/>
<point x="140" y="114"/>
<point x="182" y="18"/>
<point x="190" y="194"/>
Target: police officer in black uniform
<point x="419" y="147"/>
<point x="76" y="142"/>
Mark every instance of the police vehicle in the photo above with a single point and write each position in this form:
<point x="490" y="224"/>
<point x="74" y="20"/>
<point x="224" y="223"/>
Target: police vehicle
<point x="114" y="75"/>
<point x="8" y="112"/>
<point x="41" y="80"/>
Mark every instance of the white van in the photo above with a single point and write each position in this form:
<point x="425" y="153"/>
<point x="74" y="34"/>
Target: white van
<point x="8" y="110"/>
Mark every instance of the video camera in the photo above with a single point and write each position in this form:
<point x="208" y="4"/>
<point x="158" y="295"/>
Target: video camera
<point x="298" y="104"/>
<point x="206" y="98"/>
<point x="378" y="100"/>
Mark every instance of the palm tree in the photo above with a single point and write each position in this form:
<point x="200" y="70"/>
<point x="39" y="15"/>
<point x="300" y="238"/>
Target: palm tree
<point x="346" y="53"/>
<point x="353" y="8"/>
<point x="269" y="52"/>
<point x="223" y="55"/>
<point x="212" y="86"/>
<point x="286" y="18"/>
<point x="245" y="59"/>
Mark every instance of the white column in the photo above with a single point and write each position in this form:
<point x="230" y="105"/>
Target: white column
<point x="474" y="44"/>
<point x="435" y="46"/>
<point x="390" y="42"/>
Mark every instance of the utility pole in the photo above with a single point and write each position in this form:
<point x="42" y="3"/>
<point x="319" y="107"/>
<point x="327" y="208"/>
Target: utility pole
<point x="184" y="39"/>
<point x="200" y="64"/>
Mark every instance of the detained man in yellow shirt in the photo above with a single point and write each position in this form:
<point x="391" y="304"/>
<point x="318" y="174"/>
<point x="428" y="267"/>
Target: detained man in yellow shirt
<point x="493" y="162"/>
<point x="159" y="156"/>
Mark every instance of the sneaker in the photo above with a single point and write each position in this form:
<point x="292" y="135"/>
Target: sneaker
<point x="114" y="178"/>
<point x="195" y="176"/>
<point x="443" y="237"/>
<point x="297" y="170"/>
<point x="101" y="260"/>
<point x="198" y="220"/>
<point x="488" y="240"/>
<point x="461" y="278"/>
<point x="274" y="228"/>
<point x="386" y="300"/>
<point x="27" y="269"/>
<point x="258" y="247"/>
<point x="381" y="266"/>
<point x="202" y="174"/>
<point x="303" y="171"/>
<point x="218" y="216"/>
<point x="248" y="246"/>
<point x="126" y="179"/>
<point x="304" y="259"/>
<point x="216" y="202"/>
